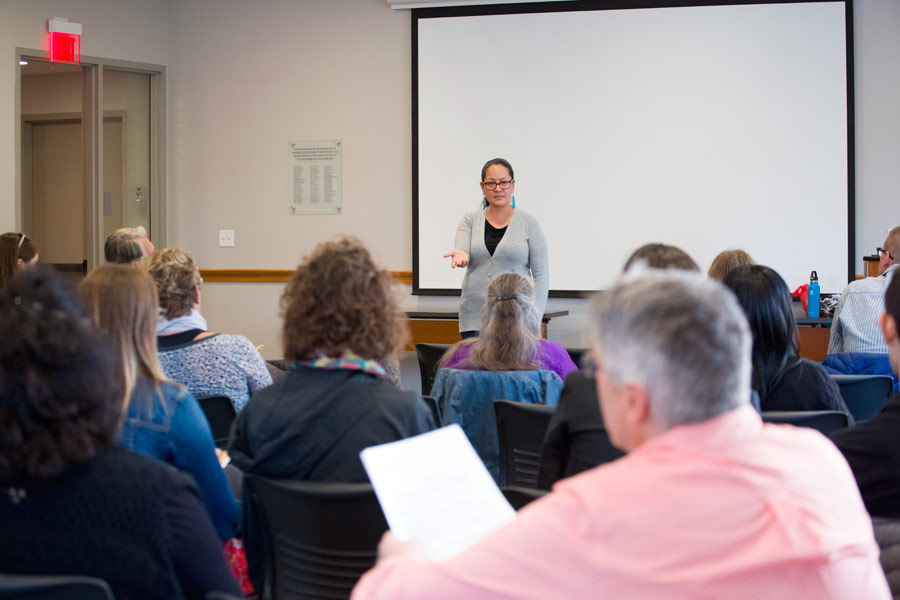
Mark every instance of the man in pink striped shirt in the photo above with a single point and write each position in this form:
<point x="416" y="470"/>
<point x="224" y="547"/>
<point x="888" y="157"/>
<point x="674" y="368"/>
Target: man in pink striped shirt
<point x="708" y="502"/>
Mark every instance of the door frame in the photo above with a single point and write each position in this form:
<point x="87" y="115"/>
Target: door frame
<point x="92" y="148"/>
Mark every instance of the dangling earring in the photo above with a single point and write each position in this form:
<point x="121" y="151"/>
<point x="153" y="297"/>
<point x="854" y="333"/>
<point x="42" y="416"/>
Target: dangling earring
<point x="483" y="203"/>
<point x="514" y="200"/>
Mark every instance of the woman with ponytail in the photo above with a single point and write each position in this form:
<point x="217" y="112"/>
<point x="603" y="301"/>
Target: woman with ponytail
<point x="508" y="339"/>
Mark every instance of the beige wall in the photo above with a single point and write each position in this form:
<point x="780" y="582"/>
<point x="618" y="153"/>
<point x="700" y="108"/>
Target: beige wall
<point x="246" y="78"/>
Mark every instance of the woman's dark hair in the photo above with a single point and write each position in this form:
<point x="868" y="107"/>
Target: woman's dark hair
<point x="498" y="161"/>
<point x="14" y="246"/>
<point x="59" y="387"/>
<point x="661" y="256"/>
<point x="766" y="301"/>
<point x="339" y="300"/>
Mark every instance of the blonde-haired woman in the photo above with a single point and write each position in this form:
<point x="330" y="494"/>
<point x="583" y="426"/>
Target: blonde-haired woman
<point x="161" y="419"/>
<point x="207" y="363"/>
<point x="727" y="261"/>
<point x="508" y="340"/>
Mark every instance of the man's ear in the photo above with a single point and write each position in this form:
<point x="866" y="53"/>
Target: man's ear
<point x="888" y="328"/>
<point x="638" y="412"/>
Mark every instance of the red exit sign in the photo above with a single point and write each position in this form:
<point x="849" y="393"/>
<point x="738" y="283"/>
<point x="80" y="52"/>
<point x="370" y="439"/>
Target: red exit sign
<point x="65" y="41"/>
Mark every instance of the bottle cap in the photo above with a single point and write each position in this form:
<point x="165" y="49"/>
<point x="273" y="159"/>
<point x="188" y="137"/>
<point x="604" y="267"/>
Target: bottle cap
<point x="813" y="276"/>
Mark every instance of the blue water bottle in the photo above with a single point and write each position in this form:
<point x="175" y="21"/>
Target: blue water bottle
<point x="812" y="298"/>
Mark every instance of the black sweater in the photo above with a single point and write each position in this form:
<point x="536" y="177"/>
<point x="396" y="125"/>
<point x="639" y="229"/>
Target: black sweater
<point x="133" y="521"/>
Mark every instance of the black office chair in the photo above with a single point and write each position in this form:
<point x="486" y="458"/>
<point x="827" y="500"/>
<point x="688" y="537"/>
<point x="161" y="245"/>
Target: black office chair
<point x="53" y="587"/>
<point x="578" y="354"/>
<point x="520" y="434"/>
<point x="434" y="408"/>
<point x="319" y="538"/>
<point x="825" y="421"/>
<point x="429" y="355"/>
<point x="220" y="413"/>
<point x="864" y="395"/>
<point x="887" y="534"/>
<point x="519" y="496"/>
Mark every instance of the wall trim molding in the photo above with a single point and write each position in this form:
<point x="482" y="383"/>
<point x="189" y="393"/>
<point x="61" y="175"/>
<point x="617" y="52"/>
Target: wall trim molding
<point x="272" y="276"/>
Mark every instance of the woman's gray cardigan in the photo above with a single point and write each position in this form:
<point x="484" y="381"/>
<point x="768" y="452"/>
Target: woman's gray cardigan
<point x="522" y="250"/>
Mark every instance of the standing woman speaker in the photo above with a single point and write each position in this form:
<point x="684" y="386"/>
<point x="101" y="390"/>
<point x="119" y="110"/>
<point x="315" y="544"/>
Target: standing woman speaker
<point x="494" y="240"/>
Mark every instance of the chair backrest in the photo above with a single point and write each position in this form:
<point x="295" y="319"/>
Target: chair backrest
<point x="429" y="355"/>
<point x="435" y="410"/>
<point x="520" y="433"/>
<point x="53" y="587"/>
<point x="467" y="399"/>
<point x="887" y="534"/>
<point x="220" y="413"/>
<point x="318" y="537"/>
<point x="864" y="395"/>
<point x="825" y="421"/>
<point x="518" y="496"/>
<point x="577" y="355"/>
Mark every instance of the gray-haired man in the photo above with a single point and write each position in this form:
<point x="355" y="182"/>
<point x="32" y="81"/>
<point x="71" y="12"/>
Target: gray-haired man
<point x="707" y="503"/>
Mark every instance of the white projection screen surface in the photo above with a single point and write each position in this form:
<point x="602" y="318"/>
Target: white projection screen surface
<point x="706" y="127"/>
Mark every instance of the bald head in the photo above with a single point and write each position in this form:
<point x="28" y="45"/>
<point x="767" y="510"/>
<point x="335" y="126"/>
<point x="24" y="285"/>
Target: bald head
<point x="891" y="246"/>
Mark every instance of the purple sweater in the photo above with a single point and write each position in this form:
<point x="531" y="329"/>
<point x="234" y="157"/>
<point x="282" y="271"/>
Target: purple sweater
<point x="550" y="355"/>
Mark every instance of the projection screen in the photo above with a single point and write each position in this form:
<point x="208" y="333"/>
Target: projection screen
<point x="708" y="127"/>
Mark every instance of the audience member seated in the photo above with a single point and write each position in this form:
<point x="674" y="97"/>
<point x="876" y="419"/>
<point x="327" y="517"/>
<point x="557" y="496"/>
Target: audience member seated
<point x="509" y="339"/>
<point x="576" y="438"/>
<point x="123" y="248"/>
<point x="661" y="256"/>
<point x="161" y="419"/>
<point x="114" y="243"/>
<point x="17" y="251"/>
<point x="854" y="327"/>
<point x="783" y="380"/>
<point x="708" y="502"/>
<point x="73" y="502"/>
<point x="341" y="316"/>
<point x="726" y="261"/>
<point x="871" y="448"/>
<point x="208" y="364"/>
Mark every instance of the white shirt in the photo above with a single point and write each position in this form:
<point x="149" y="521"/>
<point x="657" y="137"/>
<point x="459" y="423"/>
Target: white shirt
<point x="855" y="325"/>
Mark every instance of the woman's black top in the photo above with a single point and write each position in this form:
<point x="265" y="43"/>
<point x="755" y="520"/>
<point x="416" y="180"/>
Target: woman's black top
<point x="492" y="236"/>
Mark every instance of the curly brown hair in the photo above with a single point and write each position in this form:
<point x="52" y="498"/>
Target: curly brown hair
<point x="339" y="300"/>
<point x="60" y="393"/>
<point x="177" y="277"/>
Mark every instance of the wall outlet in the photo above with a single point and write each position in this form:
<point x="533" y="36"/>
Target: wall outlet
<point x="226" y="238"/>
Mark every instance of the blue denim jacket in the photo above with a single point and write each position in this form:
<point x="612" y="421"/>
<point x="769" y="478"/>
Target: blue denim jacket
<point x="171" y="427"/>
<point x="467" y="398"/>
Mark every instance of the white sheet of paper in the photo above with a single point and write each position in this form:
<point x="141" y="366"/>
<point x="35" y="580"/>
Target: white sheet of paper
<point x="433" y="488"/>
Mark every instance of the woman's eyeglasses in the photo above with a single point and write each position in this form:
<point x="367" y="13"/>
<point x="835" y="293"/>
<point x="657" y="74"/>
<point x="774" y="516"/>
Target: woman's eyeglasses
<point x="504" y="185"/>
